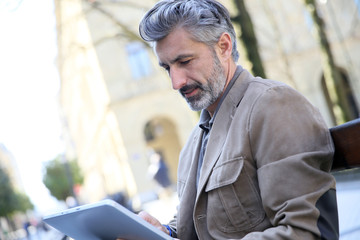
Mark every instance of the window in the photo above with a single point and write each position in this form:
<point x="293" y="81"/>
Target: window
<point x="139" y="60"/>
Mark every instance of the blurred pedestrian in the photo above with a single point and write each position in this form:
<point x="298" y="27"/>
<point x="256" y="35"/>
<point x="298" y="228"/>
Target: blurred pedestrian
<point x="158" y="170"/>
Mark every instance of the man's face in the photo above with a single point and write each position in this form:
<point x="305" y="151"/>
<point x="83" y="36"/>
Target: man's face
<point x="194" y="69"/>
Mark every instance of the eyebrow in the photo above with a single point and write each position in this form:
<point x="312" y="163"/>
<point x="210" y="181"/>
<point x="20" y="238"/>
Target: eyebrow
<point x="178" y="58"/>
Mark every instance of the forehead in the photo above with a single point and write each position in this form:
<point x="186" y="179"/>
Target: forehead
<point x="178" y="42"/>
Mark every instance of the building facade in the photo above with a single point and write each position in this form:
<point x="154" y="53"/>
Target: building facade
<point x="117" y="106"/>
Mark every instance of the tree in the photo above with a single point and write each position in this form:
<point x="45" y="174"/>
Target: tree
<point x="61" y="176"/>
<point x="332" y="75"/>
<point x="125" y="30"/>
<point x="7" y="195"/>
<point x="23" y="202"/>
<point x="10" y="200"/>
<point x="248" y="38"/>
<point x="277" y="39"/>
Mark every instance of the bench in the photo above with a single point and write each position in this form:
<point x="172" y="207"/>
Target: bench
<point x="346" y="138"/>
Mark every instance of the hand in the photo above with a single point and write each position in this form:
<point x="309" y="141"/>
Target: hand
<point x="153" y="221"/>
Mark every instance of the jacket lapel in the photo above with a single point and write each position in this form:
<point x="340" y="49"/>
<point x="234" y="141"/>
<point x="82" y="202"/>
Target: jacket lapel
<point x="220" y="127"/>
<point x="185" y="215"/>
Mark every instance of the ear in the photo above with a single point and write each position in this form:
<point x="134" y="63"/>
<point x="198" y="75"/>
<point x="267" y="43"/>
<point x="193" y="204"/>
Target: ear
<point x="224" y="46"/>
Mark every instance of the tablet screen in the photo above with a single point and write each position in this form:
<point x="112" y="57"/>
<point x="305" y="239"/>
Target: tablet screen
<point x="104" y="220"/>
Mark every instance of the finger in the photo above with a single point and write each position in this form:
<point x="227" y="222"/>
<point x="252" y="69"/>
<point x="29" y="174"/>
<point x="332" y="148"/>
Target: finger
<point x="150" y="219"/>
<point x="153" y="221"/>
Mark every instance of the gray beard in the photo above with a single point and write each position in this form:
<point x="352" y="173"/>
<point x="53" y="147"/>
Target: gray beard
<point x="210" y="91"/>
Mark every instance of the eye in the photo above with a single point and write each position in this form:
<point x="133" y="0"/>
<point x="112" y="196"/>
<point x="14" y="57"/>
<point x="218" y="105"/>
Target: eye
<point x="185" y="62"/>
<point x="166" y="67"/>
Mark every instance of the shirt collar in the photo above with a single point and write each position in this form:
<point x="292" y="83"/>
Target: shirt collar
<point x="204" y="122"/>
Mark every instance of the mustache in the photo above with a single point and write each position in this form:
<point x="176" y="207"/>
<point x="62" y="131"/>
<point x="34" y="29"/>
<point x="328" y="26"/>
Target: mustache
<point x="186" y="88"/>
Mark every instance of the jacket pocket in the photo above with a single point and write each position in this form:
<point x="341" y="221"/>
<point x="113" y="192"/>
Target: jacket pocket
<point x="224" y="174"/>
<point x="233" y="200"/>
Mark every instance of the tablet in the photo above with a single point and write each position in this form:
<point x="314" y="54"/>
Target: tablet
<point x="104" y="220"/>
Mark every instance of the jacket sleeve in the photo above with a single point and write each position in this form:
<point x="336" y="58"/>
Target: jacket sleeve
<point x="293" y="151"/>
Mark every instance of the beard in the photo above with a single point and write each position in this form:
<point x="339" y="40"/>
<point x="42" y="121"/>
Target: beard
<point x="210" y="91"/>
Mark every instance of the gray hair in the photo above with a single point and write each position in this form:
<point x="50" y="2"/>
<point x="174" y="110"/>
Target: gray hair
<point x="205" y="20"/>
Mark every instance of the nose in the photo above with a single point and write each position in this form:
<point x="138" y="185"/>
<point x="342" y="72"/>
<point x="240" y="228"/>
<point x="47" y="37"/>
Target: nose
<point x="178" y="78"/>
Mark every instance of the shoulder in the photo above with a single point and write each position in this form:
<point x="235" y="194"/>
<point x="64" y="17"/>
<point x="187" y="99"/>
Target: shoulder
<point x="262" y="85"/>
<point x="248" y="86"/>
<point x="271" y="92"/>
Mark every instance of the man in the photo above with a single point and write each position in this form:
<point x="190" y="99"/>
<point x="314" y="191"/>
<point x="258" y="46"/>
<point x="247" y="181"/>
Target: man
<point x="257" y="166"/>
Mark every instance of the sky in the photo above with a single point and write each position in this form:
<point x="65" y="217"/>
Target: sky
<point x="29" y="85"/>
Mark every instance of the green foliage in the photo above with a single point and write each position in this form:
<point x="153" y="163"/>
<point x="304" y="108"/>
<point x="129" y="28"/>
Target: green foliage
<point x="6" y="194"/>
<point x="23" y="202"/>
<point x="10" y="200"/>
<point x="60" y="177"/>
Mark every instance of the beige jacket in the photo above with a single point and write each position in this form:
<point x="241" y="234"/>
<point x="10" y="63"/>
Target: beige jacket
<point x="265" y="171"/>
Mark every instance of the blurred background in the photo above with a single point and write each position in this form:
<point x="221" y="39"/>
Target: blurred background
<point x="87" y="114"/>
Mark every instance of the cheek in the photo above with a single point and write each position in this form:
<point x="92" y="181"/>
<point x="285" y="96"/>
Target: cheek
<point x="202" y="70"/>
